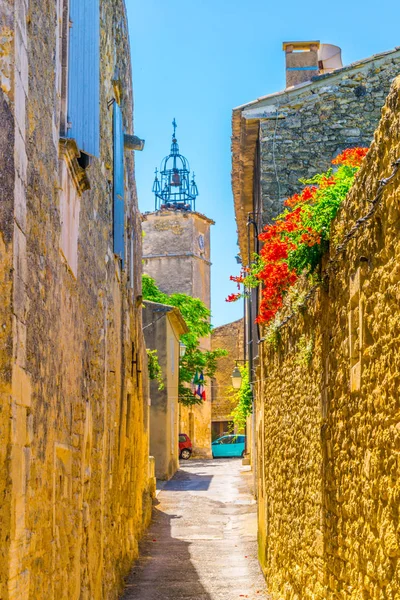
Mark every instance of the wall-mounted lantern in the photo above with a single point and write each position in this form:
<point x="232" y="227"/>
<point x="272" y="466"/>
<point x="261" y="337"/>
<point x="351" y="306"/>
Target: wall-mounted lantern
<point x="236" y="378"/>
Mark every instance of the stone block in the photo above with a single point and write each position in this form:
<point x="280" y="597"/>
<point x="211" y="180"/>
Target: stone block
<point x="21" y="386"/>
<point x="20" y="109"/>
<point x="20" y="203"/>
<point x="18" y="425"/>
<point x="21" y="301"/>
<point x="20" y="157"/>
<point x="19" y="334"/>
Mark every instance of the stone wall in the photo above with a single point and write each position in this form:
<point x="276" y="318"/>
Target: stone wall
<point x="174" y="255"/>
<point x="6" y="262"/>
<point x="163" y="326"/>
<point x="302" y="129"/>
<point x="328" y="411"/>
<point x="73" y="417"/>
<point x="228" y="337"/>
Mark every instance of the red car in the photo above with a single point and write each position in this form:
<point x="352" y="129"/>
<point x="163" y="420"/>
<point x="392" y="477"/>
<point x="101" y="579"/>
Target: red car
<point x="185" y="446"/>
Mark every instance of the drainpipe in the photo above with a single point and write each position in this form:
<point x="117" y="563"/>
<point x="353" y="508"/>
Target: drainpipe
<point x="251" y="222"/>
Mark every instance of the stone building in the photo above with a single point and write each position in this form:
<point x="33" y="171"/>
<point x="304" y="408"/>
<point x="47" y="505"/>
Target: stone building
<point x="295" y="133"/>
<point x="163" y="326"/>
<point x="327" y="428"/>
<point x="228" y="337"/>
<point x="73" y="416"/>
<point x="176" y="253"/>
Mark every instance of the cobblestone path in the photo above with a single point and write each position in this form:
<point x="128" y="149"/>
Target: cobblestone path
<point x="202" y="541"/>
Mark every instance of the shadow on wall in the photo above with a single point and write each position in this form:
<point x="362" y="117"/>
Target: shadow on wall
<point x="159" y="573"/>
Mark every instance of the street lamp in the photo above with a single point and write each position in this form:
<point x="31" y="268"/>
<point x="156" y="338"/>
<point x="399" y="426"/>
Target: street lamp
<point x="182" y="349"/>
<point x="236" y="378"/>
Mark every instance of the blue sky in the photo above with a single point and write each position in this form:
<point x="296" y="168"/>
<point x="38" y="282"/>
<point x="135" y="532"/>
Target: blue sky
<point x="196" y="60"/>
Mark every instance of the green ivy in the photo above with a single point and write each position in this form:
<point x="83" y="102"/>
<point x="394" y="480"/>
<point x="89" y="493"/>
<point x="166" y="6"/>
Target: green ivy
<point x="318" y="216"/>
<point x="197" y="318"/>
<point x="243" y="398"/>
<point x="305" y="350"/>
<point x="155" y="372"/>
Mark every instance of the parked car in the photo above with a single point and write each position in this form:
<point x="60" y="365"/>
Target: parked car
<point x="229" y="445"/>
<point x="185" y="446"/>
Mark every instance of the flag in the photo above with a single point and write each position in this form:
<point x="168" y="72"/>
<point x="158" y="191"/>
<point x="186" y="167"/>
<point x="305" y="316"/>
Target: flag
<point x="198" y="386"/>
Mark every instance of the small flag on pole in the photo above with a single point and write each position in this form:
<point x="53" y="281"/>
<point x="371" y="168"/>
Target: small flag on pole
<point x="198" y="386"/>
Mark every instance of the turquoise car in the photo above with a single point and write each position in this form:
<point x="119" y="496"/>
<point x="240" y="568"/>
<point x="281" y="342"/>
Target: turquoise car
<point x="229" y="445"/>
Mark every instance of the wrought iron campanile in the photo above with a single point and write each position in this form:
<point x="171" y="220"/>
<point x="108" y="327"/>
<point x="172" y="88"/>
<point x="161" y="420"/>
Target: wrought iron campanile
<point x="173" y="187"/>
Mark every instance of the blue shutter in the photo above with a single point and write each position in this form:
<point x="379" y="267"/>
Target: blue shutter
<point x="119" y="225"/>
<point x="84" y="75"/>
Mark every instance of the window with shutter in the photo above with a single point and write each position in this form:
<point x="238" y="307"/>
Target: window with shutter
<point x="84" y="76"/>
<point x="119" y="212"/>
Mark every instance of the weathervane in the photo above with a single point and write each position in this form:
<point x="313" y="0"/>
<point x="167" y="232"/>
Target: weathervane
<point x="173" y="188"/>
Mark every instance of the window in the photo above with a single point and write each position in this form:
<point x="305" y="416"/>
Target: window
<point x="226" y="440"/>
<point x="83" y="109"/>
<point x="78" y="84"/>
<point x="119" y="183"/>
<point x="131" y="259"/>
<point x="220" y="428"/>
<point x="355" y="330"/>
<point x="70" y="205"/>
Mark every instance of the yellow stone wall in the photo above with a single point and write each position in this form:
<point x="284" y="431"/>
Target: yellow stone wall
<point x="328" y="412"/>
<point x="229" y="337"/>
<point x="73" y="414"/>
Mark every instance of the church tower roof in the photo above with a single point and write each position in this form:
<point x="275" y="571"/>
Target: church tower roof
<point x="174" y="188"/>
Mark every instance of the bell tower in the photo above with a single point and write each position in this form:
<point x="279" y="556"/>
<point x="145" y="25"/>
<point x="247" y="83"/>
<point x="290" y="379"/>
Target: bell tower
<point x="176" y="253"/>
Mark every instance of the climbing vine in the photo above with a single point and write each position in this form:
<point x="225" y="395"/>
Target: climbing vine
<point x="243" y="399"/>
<point x="305" y="350"/>
<point x="196" y="363"/>
<point x="155" y="372"/>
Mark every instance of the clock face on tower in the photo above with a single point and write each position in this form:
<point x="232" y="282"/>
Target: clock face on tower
<point x="201" y="242"/>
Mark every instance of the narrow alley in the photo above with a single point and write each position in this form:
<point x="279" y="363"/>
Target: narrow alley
<point x="202" y="544"/>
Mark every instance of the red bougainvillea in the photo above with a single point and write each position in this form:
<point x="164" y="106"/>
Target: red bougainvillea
<point x="233" y="297"/>
<point x="352" y="157"/>
<point x="294" y="243"/>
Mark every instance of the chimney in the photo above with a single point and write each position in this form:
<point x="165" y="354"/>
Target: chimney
<point x="301" y="61"/>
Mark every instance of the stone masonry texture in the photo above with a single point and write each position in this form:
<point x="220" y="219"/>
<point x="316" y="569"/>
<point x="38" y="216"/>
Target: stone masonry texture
<point x="229" y="337"/>
<point x="310" y="126"/>
<point x="73" y="418"/>
<point x="328" y="419"/>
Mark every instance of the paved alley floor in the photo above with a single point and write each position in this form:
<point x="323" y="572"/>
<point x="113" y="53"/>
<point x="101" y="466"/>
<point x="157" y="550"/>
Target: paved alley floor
<point x="201" y="544"/>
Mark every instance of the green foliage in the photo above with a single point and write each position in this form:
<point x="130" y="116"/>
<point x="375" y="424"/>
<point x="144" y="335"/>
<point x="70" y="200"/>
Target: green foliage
<point x="273" y="335"/>
<point x="243" y="398"/>
<point x="318" y="216"/>
<point x="305" y="349"/>
<point x="321" y="213"/>
<point x="197" y="318"/>
<point x="196" y="360"/>
<point x="155" y="371"/>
